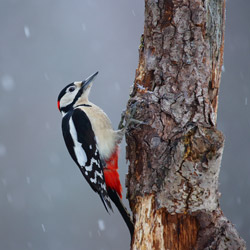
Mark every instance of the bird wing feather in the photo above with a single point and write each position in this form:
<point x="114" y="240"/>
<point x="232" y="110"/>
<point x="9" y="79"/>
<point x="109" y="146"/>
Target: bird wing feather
<point x="82" y="146"/>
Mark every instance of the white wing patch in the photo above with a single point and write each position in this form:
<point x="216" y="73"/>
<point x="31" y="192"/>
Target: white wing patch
<point x="81" y="155"/>
<point x="93" y="160"/>
<point x="79" y="152"/>
<point x="96" y="174"/>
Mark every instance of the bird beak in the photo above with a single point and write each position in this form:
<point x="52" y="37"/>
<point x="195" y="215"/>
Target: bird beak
<point x="90" y="79"/>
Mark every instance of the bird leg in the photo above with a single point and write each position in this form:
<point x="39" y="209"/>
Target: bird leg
<point x="128" y="117"/>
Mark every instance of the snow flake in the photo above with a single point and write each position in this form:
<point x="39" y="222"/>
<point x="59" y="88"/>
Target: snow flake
<point x="101" y="225"/>
<point x="4" y="182"/>
<point x="43" y="228"/>
<point x="8" y="83"/>
<point x="90" y="234"/>
<point x="47" y="125"/>
<point x="117" y="87"/>
<point x="28" y="179"/>
<point x="46" y="76"/>
<point x="83" y="27"/>
<point x="9" y="198"/>
<point x="29" y="245"/>
<point x="27" y="31"/>
<point x="2" y="150"/>
<point x="238" y="200"/>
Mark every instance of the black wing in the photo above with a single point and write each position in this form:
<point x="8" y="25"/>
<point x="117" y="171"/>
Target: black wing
<point x="81" y="143"/>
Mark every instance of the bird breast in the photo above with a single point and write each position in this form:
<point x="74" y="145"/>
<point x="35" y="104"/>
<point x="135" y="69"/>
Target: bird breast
<point x="104" y="133"/>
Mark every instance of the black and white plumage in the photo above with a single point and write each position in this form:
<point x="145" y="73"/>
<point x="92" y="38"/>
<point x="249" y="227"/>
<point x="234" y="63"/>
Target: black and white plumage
<point x="93" y="144"/>
<point x="81" y="144"/>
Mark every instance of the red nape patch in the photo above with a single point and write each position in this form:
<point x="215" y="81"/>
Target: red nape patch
<point x="58" y="104"/>
<point x="111" y="175"/>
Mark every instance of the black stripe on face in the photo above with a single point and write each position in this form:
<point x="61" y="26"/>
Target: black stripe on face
<point x="63" y="92"/>
<point x="78" y="95"/>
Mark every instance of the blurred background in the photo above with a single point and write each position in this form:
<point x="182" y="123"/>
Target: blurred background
<point x="44" y="201"/>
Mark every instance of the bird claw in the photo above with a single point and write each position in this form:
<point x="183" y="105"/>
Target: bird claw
<point x="135" y="121"/>
<point x="128" y="117"/>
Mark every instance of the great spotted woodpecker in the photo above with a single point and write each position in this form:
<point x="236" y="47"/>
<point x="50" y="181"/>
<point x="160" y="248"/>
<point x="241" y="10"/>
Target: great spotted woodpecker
<point x="93" y="144"/>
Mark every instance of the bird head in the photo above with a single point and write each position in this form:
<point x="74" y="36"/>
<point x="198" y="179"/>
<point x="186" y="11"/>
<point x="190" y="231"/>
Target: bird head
<point x="75" y="93"/>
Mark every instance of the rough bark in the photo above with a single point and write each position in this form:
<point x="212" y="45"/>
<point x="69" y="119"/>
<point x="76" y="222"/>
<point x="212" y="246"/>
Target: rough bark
<point x="175" y="155"/>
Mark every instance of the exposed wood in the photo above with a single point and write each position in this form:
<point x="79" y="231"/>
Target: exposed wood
<point x="157" y="229"/>
<point x="175" y="155"/>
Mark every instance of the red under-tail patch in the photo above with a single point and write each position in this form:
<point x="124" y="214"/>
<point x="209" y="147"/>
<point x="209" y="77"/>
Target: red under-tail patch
<point x="111" y="174"/>
<point x="58" y="104"/>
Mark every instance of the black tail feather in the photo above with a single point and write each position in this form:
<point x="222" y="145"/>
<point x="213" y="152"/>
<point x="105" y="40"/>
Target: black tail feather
<point x="122" y="209"/>
<point x="106" y="202"/>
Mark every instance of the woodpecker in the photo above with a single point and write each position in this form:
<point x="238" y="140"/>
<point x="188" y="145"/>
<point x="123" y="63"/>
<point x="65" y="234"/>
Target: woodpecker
<point x="93" y="144"/>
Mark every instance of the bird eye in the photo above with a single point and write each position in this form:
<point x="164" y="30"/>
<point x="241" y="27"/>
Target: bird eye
<point x="71" y="89"/>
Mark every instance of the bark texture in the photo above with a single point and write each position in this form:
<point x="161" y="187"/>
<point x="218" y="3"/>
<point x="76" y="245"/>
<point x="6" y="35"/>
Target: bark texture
<point x="175" y="155"/>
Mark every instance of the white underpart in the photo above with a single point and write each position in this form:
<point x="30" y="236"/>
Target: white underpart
<point x="105" y="136"/>
<point x="79" y="152"/>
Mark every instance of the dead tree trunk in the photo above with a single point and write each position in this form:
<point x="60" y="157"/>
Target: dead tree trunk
<point x="175" y="156"/>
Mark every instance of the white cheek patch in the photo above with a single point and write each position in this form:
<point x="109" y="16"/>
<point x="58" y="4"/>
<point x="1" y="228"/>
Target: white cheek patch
<point x="79" y="152"/>
<point x="68" y="98"/>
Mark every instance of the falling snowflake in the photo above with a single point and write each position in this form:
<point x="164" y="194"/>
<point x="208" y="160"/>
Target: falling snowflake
<point x="29" y="244"/>
<point x="28" y="179"/>
<point x="4" y="182"/>
<point x="27" y="31"/>
<point x="101" y="225"/>
<point x="83" y="27"/>
<point x="43" y="228"/>
<point x="223" y="68"/>
<point x="2" y="150"/>
<point x="90" y="234"/>
<point x="46" y="76"/>
<point x="8" y="83"/>
<point x="9" y="198"/>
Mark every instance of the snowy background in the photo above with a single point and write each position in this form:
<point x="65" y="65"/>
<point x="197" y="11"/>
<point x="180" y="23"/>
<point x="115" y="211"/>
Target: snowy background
<point x="44" y="201"/>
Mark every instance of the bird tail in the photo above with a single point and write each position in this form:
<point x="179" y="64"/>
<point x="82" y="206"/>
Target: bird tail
<point x="122" y="209"/>
<point x="106" y="201"/>
<point x="114" y="188"/>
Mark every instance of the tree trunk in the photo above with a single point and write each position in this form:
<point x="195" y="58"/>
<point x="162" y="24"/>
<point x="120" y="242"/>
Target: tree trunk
<point x="175" y="155"/>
